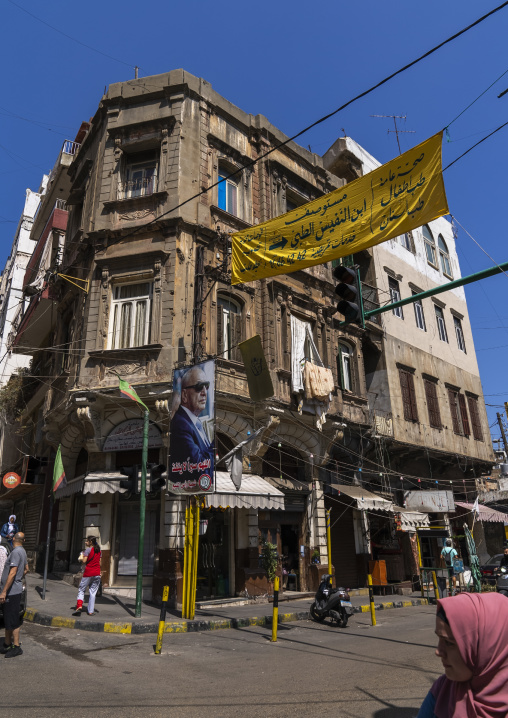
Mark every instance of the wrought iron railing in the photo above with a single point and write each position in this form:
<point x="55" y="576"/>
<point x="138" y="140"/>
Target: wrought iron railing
<point x="141" y="187"/>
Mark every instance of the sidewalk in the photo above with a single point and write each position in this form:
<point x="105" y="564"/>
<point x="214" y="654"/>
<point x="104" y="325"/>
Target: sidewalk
<point x="116" y="614"/>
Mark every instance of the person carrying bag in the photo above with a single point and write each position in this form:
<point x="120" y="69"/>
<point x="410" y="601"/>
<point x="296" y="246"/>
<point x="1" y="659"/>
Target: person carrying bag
<point x="91" y="559"/>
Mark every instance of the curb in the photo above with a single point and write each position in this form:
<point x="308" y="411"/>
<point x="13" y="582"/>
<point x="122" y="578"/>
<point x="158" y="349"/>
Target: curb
<point x="43" y="619"/>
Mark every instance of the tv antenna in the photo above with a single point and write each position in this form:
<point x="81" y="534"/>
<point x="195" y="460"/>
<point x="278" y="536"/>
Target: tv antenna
<point x="396" y="130"/>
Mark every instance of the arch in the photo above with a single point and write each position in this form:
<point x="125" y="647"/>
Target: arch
<point x="234" y="426"/>
<point x="430" y="245"/>
<point x="444" y="256"/>
<point x="282" y="460"/>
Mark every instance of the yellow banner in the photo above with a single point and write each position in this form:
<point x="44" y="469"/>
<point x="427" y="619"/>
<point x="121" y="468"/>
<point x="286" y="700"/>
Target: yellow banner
<point x="395" y="198"/>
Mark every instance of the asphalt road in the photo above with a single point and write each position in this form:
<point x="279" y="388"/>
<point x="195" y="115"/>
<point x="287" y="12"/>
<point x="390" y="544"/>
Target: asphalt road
<point x="313" y="670"/>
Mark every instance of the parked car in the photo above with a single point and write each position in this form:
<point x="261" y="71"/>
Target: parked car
<point x="488" y="570"/>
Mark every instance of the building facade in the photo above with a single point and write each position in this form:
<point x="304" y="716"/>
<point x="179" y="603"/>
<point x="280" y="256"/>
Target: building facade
<point x="137" y="285"/>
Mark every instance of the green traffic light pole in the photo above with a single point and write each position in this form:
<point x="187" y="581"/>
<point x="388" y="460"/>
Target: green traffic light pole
<point x="498" y="269"/>
<point x="142" y="512"/>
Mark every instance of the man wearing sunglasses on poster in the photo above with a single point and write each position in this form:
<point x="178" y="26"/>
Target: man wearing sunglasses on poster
<point x="189" y="442"/>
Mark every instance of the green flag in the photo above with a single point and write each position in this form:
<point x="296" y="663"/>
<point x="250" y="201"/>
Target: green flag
<point x="59" y="479"/>
<point x="258" y="374"/>
<point x="127" y="390"/>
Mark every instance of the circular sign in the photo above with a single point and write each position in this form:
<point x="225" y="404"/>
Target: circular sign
<point x="205" y="482"/>
<point x="11" y="480"/>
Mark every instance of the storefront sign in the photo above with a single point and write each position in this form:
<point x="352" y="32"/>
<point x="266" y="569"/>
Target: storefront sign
<point x="432" y="501"/>
<point x="129" y="435"/>
<point x="11" y="480"/>
<point x="192" y="430"/>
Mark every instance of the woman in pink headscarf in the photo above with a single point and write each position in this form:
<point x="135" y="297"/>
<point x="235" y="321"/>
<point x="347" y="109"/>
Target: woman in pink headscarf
<point x="473" y="646"/>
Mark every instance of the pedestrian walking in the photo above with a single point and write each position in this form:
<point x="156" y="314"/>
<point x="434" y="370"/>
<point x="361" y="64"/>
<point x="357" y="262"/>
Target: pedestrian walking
<point x="11" y="590"/>
<point x="472" y="631"/>
<point x="91" y="557"/>
<point x="449" y="554"/>
<point x="9" y="529"/>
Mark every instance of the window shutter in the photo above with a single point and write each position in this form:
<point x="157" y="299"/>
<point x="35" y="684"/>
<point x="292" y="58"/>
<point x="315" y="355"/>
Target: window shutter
<point x="408" y="395"/>
<point x="220" y="332"/>
<point x="432" y="404"/>
<point x="463" y="414"/>
<point x="236" y="336"/>
<point x="452" y="395"/>
<point x="475" y="418"/>
<point x="412" y="396"/>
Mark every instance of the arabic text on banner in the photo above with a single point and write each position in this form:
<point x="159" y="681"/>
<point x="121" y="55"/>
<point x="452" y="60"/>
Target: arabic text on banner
<point x="398" y="196"/>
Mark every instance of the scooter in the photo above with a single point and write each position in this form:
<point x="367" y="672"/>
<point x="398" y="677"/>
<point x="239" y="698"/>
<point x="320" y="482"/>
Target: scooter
<point x="502" y="580"/>
<point x="331" y="603"/>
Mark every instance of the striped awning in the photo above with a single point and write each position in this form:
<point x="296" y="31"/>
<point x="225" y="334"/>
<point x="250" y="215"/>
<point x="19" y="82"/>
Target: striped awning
<point x="485" y="513"/>
<point x="95" y="482"/>
<point x="254" y="493"/>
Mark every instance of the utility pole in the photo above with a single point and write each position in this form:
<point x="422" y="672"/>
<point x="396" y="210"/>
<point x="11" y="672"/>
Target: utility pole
<point x="396" y="130"/>
<point x="500" y="422"/>
<point x="142" y="513"/>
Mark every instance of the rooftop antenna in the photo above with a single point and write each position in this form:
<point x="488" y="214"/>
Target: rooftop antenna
<point x="136" y="68"/>
<point x="396" y="130"/>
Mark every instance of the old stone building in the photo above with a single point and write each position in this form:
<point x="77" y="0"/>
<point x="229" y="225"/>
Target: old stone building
<point x="141" y="287"/>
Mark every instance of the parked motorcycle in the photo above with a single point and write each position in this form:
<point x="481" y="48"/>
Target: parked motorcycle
<point x="502" y="580"/>
<point x="331" y="603"/>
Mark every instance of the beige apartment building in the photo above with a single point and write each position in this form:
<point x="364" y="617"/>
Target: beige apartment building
<point x="140" y="286"/>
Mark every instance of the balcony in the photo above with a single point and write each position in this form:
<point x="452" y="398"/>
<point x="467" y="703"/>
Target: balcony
<point x="69" y="149"/>
<point x="37" y="322"/>
<point x="140" y="187"/>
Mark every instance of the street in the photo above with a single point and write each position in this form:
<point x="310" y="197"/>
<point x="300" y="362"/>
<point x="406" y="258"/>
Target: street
<point x="357" y="672"/>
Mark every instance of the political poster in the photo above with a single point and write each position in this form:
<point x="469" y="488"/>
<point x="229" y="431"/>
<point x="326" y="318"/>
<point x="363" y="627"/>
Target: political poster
<point x="192" y="430"/>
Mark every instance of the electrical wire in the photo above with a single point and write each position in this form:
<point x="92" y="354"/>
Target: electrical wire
<point x="69" y="37"/>
<point x="475" y="145"/>
<point x="371" y="89"/>
<point x="473" y="102"/>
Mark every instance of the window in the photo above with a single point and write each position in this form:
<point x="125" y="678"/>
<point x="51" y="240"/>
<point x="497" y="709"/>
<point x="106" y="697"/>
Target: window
<point x="459" y="334"/>
<point x="407" y="386"/>
<point x="228" y="191"/>
<point x="432" y="403"/>
<point x="444" y="257"/>
<point x="229" y="328"/>
<point x="419" y="315"/>
<point x="140" y="175"/>
<point x="407" y="241"/>
<point x="393" y="286"/>
<point x="130" y="315"/>
<point x="345" y="362"/>
<point x="441" y="326"/>
<point x="430" y="246"/>
<point x="475" y="418"/>
<point x="458" y="411"/>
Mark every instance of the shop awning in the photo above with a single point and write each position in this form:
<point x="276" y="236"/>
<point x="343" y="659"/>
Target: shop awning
<point x="485" y="513"/>
<point x="365" y="499"/>
<point x="96" y="482"/>
<point x="17" y="493"/>
<point x="255" y="493"/>
<point x="411" y="520"/>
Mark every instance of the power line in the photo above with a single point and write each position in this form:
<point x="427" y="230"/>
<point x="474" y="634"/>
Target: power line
<point x="89" y="47"/>
<point x="322" y="119"/>
<point x="475" y="145"/>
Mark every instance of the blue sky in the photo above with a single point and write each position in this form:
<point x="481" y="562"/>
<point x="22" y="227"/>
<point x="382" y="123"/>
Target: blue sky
<point x="292" y="62"/>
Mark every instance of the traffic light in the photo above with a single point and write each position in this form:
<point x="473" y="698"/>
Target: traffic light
<point x="156" y="476"/>
<point x="132" y="483"/>
<point x="350" y="292"/>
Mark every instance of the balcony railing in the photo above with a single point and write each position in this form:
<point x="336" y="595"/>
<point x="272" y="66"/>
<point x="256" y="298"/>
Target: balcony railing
<point x="60" y="204"/>
<point x="68" y="148"/>
<point x="141" y="187"/>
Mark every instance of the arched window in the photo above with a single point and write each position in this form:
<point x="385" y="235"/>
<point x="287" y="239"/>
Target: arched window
<point x="345" y="367"/>
<point x="444" y="257"/>
<point x="430" y="246"/>
<point x="229" y="190"/>
<point x="229" y="328"/>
